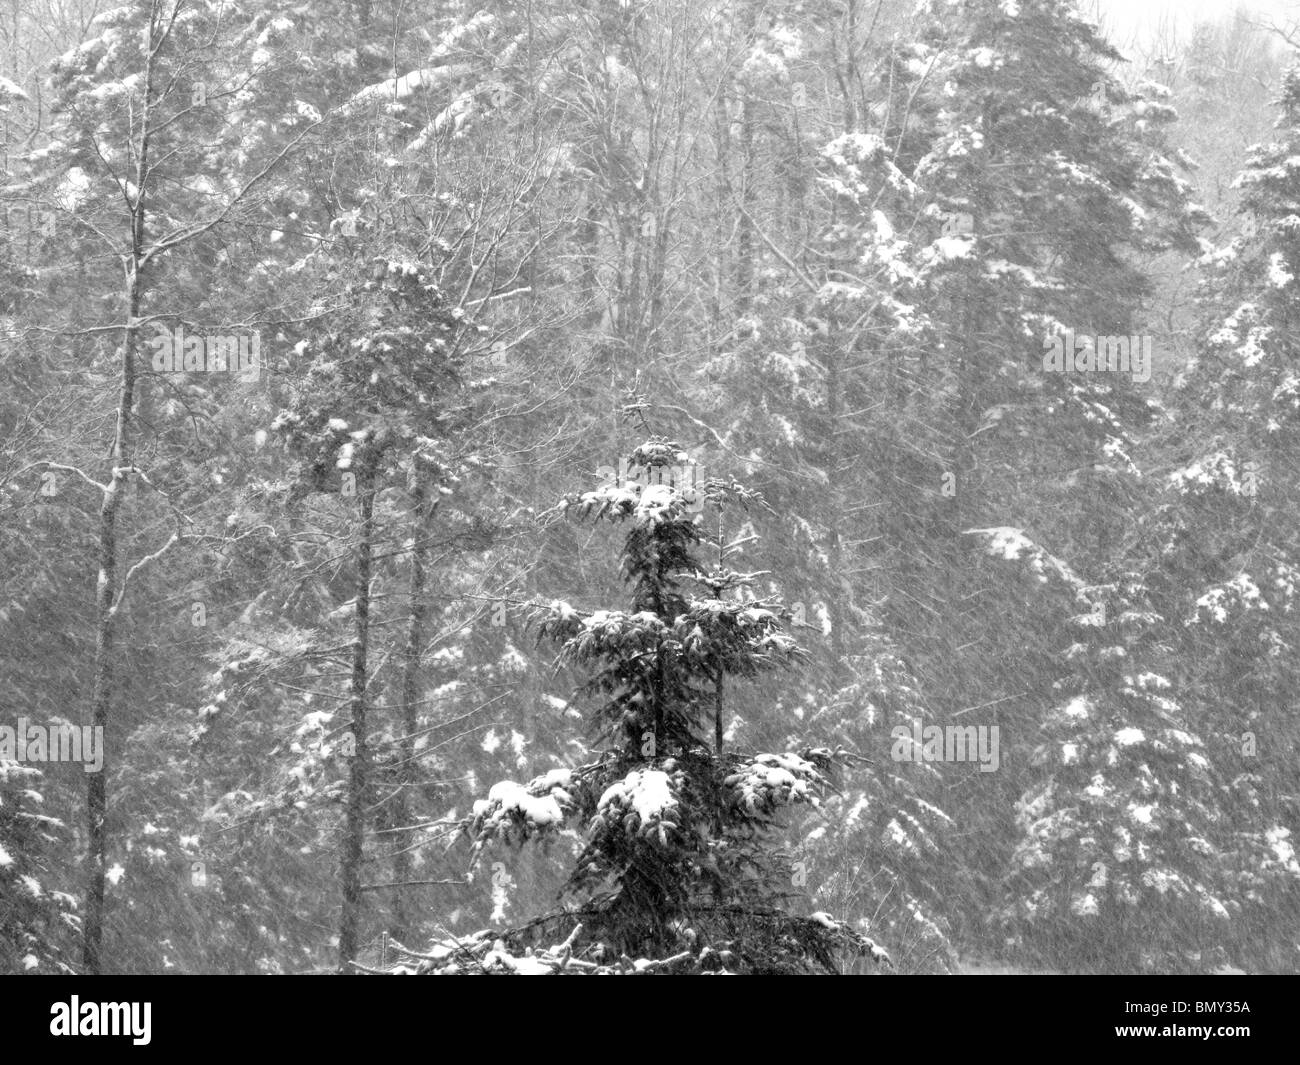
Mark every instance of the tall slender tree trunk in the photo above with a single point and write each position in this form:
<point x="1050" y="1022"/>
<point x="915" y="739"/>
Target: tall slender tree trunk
<point x="745" y="236"/>
<point x="722" y="161"/>
<point x="401" y="923"/>
<point x="839" y="590"/>
<point x="745" y="225"/>
<point x="354" y="830"/>
<point x="106" y="588"/>
<point x="105" y="682"/>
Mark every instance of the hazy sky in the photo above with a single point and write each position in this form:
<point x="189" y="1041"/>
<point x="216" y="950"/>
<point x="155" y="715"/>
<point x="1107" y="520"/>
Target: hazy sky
<point x="1127" y="17"/>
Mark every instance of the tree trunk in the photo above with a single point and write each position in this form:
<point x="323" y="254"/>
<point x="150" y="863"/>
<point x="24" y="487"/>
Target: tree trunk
<point x="106" y="588"/>
<point x="840" y="594"/>
<point x="401" y="923"/>
<point x="355" y="824"/>
<point x="745" y="225"/>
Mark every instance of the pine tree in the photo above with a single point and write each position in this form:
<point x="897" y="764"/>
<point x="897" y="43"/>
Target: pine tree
<point x="679" y="867"/>
<point x="37" y="921"/>
<point x="1115" y="867"/>
<point x="881" y="846"/>
<point x="1228" y="562"/>
<point x="393" y="383"/>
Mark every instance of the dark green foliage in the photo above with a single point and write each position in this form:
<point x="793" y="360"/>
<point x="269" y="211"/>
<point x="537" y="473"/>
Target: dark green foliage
<point x="679" y="848"/>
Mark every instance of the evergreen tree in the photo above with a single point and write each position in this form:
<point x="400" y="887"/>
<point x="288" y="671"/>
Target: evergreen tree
<point x="1229" y="550"/>
<point x="37" y="921"/>
<point x="1116" y="869"/>
<point x="678" y="865"/>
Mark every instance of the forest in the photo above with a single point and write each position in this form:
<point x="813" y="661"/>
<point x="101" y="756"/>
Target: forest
<point x="648" y="487"/>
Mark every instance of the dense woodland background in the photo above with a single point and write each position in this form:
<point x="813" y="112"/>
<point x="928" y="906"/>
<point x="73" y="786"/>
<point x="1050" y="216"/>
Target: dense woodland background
<point x="489" y="248"/>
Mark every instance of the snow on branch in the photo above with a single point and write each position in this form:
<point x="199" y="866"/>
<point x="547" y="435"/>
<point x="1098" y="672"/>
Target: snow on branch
<point x="642" y="803"/>
<point x="519" y="811"/>
<point x="766" y="782"/>
<point x="407" y="85"/>
<point x="1013" y="545"/>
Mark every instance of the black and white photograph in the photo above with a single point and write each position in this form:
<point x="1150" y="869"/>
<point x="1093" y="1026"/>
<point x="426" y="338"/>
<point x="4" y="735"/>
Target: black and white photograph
<point x="650" y="487"/>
